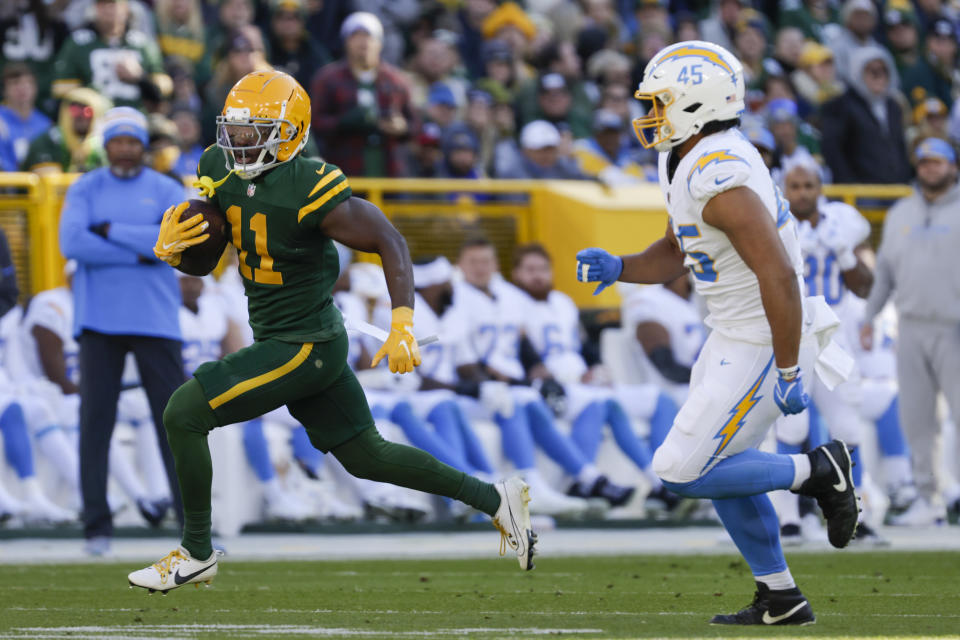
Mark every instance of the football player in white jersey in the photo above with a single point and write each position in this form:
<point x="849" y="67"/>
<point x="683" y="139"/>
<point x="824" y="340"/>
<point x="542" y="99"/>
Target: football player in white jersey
<point x="833" y="243"/>
<point x="552" y="324"/>
<point x="731" y="227"/>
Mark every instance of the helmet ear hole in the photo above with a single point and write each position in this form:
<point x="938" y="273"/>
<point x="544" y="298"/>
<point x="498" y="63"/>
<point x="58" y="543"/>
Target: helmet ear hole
<point x="693" y="107"/>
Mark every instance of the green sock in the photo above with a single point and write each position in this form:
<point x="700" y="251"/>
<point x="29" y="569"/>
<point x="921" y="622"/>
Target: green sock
<point x="188" y="419"/>
<point x="369" y="456"/>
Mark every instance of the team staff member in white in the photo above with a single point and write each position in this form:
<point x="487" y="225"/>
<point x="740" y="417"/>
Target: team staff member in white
<point x="731" y="227"/>
<point x="916" y="264"/>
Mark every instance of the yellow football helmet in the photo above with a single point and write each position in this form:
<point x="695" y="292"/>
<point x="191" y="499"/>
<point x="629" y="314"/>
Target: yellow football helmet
<point x="265" y="122"/>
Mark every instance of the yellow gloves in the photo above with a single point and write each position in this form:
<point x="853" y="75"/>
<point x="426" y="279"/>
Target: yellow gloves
<point x="175" y="236"/>
<point x="401" y="348"/>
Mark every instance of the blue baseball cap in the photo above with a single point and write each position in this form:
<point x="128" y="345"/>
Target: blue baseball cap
<point x="760" y="137"/>
<point x="782" y="110"/>
<point x="124" y="121"/>
<point x="441" y="94"/>
<point x="936" y="148"/>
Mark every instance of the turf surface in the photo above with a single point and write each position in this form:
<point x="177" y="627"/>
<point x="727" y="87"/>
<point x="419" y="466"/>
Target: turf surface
<point x="887" y="594"/>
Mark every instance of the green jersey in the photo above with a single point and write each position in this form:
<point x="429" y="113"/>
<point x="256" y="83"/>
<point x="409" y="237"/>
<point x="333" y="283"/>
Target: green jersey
<point x="288" y="265"/>
<point x="87" y="60"/>
<point x="50" y="149"/>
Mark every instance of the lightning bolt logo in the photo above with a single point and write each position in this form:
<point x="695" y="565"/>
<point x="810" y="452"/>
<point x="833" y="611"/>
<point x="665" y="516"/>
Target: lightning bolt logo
<point x="699" y="52"/>
<point x="738" y="415"/>
<point x="717" y="157"/>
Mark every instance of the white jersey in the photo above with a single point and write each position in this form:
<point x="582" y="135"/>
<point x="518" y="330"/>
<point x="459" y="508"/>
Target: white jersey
<point x="679" y="316"/>
<point x="53" y="310"/>
<point x="821" y="273"/>
<point x="9" y="330"/>
<point x="553" y="328"/>
<point x="717" y="163"/>
<point x="439" y="358"/>
<point x="203" y="332"/>
<point x="352" y="306"/>
<point x="493" y="325"/>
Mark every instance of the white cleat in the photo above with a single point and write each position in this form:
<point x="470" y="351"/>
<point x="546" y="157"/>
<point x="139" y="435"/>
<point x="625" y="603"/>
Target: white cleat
<point x="921" y="513"/>
<point x="286" y="506"/>
<point x="513" y="521"/>
<point x="175" y="569"/>
<point x="39" y="509"/>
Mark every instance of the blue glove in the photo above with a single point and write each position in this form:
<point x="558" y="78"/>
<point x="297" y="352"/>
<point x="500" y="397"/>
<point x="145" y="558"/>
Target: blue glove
<point x="597" y="265"/>
<point x="789" y="394"/>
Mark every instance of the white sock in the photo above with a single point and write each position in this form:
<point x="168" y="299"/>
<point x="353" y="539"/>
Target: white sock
<point x="897" y="471"/>
<point x="123" y="471"/>
<point x="9" y="504"/>
<point x="272" y="489"/>
<point x="777" y="581"/>
<point x="801" y="470"/>
<point x="55" y="446"/>
<point x="150" y="462"/>
<point x="31" y="489"/>
<point x="588" y="475"/>
<point x="787" y="505"/>
<point x="653" y="479"/>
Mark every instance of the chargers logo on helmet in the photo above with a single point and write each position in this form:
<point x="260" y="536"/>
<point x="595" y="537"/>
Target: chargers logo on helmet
<point x="684" y="87"/>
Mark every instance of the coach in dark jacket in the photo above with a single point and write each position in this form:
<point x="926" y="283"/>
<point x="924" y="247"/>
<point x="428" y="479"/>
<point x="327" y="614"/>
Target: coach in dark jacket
<point x="862" y="129"/>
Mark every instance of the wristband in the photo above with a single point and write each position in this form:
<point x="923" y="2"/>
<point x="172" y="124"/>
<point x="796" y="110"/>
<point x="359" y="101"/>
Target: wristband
<point x="789" y="373"/>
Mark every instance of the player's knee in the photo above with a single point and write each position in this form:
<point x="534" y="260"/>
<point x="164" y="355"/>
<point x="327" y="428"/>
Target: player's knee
<point x="188" y="410"/>
<point x="668" y="464"/>
<point x="360" y="455"/>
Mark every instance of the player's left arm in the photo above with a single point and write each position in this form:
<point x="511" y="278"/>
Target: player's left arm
<point x="360" y="225"/>
<point x="859" y="277"/>
<point x="742" y="216"/>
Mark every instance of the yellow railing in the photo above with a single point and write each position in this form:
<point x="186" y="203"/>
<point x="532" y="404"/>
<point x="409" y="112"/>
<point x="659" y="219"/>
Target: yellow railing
<point x="436" y="216"/>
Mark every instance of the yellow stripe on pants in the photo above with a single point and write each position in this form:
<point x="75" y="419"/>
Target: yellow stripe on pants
<point x="263" y="378"/>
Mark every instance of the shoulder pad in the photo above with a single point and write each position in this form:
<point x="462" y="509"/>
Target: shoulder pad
<point x="716" y="171"/>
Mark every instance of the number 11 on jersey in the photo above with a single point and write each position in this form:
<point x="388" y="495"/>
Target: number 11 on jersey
<point x="264" y="274"/>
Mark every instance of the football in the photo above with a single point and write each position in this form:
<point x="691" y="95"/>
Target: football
<point x="201" y="259"/>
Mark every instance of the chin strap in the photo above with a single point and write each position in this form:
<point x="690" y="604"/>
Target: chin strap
<point x="207" y="186"/>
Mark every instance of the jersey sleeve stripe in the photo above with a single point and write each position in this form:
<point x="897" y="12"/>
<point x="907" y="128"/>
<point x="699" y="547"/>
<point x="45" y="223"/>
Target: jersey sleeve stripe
<point x="262" y="379"/>
<point x="324" y="181"/>
<point x="322" y="200"/>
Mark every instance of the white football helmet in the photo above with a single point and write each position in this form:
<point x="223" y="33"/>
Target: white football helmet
<point x="685" y="86"/>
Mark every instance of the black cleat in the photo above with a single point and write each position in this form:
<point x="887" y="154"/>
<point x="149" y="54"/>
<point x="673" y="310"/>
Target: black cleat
<point x="831" y="483"/>
<point x="788" y="606"/>
<point x="153" y="511"/>
<point x="791" y="535"/>
<point x="615" y="494"/>
<point x="868" y="536"/>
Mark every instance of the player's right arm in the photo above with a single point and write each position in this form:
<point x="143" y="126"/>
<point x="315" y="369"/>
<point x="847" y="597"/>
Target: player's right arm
<point x="661" y="262"/>
<point x="52" y="361"/>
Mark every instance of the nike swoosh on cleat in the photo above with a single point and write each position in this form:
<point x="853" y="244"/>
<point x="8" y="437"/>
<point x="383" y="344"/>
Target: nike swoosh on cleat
<point x="769" y="619"/>
<point x="182" y="579"/>
<point x="842" y="485"/>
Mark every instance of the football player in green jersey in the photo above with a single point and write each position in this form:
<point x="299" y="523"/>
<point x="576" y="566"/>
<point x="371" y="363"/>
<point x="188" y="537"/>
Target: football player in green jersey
<point x="284" y="211"/>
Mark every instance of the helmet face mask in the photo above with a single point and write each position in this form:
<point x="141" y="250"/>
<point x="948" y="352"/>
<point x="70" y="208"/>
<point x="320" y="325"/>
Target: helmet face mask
<point x="265" y="122"/>
<point x="684" y="87"/>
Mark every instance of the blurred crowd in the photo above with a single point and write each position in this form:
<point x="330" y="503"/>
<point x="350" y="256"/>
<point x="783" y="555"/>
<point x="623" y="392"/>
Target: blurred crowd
<point x="478" y="88"/>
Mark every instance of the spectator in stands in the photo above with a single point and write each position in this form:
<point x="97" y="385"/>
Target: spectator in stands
<point x="916" y="266"/>
<point x="292" y="48"/>
<point x="902" y="37"/>
<point x="556" y="57"/>
<point x="243" y="52"/>
<point x="441" y="105"/>
<point x="761" y="138"/>
<point x="510" y="23"/>
<point x="121" y="63"/>
<point x="793" y="136"/>
<point x="163" y="150"/>
<point x="654" y="14"/>
<point x="125" y="300"/>
<point x="935" y="73"/>
<point x="188" y="134"/>
<point x="555" y="105"/>
<point x="471" y="17"/>
<point x="929" y="121"/>
<point x="787" y="49"/>
<point x="460" y="154"/>
<point x="396" y="16"/>
<point x="74" y="144"/>
<point x="33" y="34"/>
<point x="721" y="26"/>
<point x="436" y="60"/>
<point x="20" y="120"/>
<point x="478" y="117"/>
<point x="859" y="20"/>
<point x="425" y="152"/>
<point x="502" y="65"/>
<point x="540" y="156"/>
<point x="606" y="155"/>
<point x="181" y="35"/>
<point x="811" y="16"/>
<point x="232" y="16"/>
<point x="862" y="130"/>
<point x="687" y="26"/>
<point x="816" y="79"/>
<point x="9" y="291"/>
<point x="361" y="105"/>
<point x="750" y="45"/>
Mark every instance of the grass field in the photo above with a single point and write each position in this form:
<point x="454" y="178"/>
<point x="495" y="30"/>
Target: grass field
<point x="886" y="594"/>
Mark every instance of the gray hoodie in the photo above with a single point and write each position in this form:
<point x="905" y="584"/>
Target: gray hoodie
<point x="917" y="261"/>
<point x="859" y="58"/>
